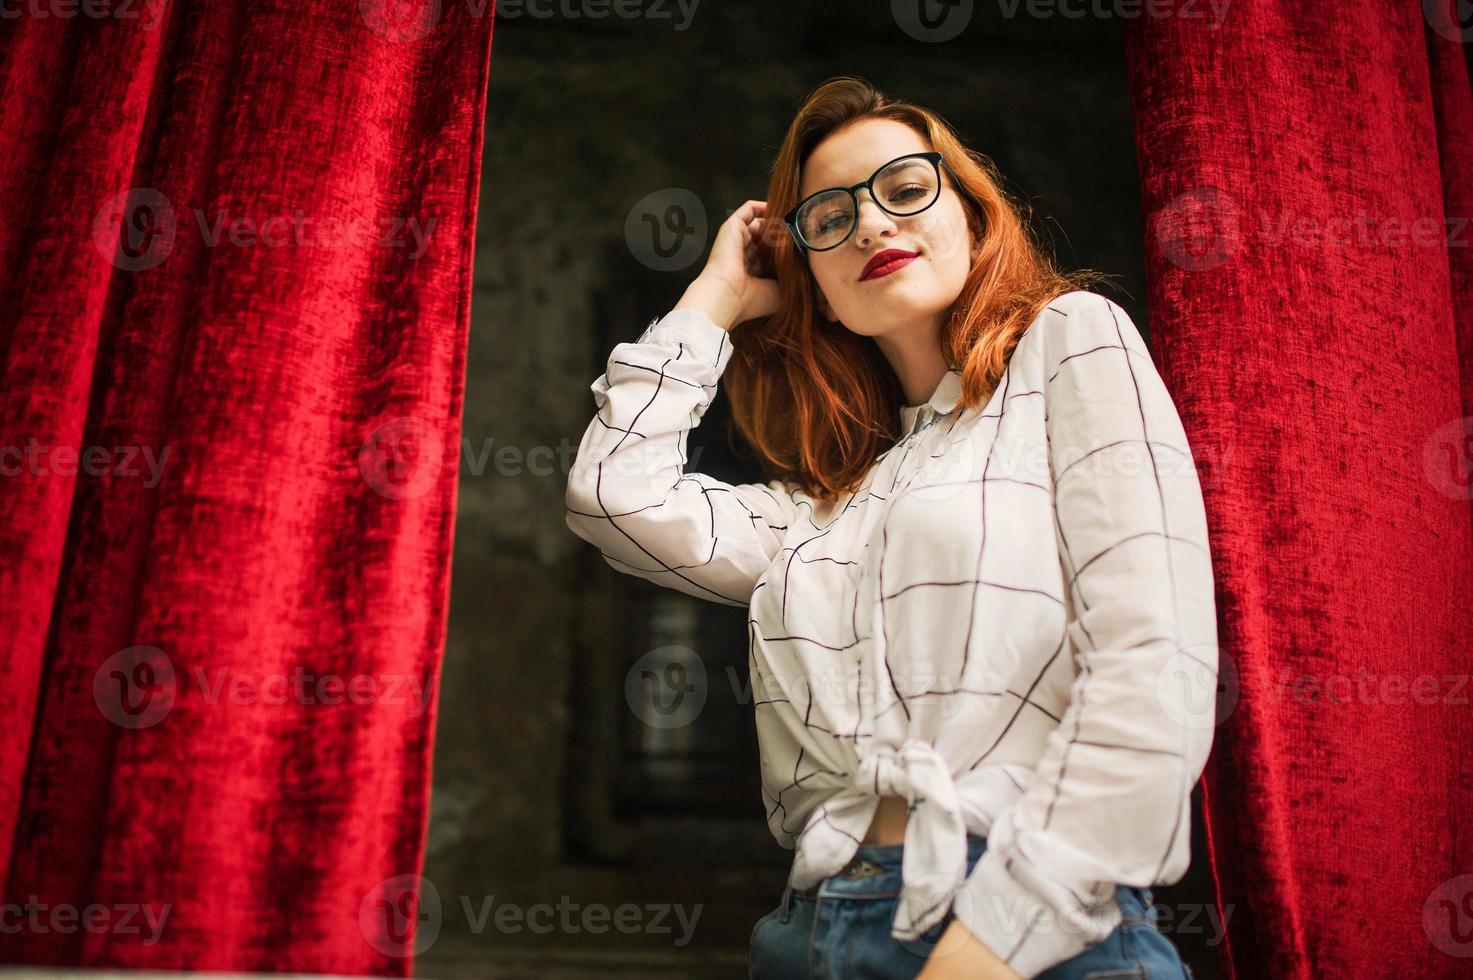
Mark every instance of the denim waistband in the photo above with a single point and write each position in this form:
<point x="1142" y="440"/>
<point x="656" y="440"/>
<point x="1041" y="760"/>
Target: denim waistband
<point x="873" y="871"/>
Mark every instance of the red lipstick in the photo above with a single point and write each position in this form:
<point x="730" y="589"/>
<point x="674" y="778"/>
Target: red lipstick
<point x="886" y="262"/>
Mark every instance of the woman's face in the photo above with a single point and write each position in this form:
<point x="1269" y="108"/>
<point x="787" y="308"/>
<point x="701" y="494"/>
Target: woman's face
<point x="916" y="297"/>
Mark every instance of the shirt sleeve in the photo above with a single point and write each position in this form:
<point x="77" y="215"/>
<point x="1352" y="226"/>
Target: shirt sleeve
<point x="1109" y="802"/>
<point x="629" y="493"/>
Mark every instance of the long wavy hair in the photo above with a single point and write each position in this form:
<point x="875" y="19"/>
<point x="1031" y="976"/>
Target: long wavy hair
<point x="818" y="402"/>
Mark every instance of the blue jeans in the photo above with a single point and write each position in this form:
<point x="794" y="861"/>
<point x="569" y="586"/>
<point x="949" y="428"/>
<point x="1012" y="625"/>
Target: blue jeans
<point x="844" y="931"/>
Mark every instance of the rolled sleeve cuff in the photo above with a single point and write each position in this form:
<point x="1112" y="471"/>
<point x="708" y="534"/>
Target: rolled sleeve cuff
<point x="697" y="331"/>
<point x="1028" y="933"/>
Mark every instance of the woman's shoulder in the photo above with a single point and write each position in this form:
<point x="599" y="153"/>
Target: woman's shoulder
<point x="1072" y="321"/>
<point x="1077" y="304"/>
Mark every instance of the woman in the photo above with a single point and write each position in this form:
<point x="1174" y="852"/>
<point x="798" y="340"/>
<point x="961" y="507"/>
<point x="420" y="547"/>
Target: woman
<point x="979" y="581"/>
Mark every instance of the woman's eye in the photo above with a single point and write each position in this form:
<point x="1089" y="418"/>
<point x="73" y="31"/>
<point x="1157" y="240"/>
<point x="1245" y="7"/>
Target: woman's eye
<point x="908" y="193"/>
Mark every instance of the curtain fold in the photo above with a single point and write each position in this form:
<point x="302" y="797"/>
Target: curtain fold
<point x="1307" y="179"/>
<point x="235" y="264"/>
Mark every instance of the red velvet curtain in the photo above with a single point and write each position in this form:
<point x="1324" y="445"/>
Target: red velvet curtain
<point x="1307" y="173"/>
<point x="235" y="255"/>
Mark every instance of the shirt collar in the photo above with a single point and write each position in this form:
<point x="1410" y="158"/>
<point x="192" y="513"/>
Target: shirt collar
<point x="943" y="399"/>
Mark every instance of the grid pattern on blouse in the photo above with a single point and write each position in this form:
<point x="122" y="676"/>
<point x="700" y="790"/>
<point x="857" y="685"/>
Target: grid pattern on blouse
<point x="1003" y="625"/>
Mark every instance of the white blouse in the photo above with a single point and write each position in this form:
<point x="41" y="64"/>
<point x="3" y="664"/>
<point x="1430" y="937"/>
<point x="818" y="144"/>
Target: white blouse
<point x="1011" y="623"/>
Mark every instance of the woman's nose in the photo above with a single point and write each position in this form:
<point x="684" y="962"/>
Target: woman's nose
<point x="870" y="219"/>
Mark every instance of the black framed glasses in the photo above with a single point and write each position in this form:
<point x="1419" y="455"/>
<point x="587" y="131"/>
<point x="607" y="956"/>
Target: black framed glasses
<point x="905" y="186"/>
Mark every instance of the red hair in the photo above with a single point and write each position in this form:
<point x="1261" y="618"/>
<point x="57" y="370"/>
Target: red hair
<point x="818" y="402"/>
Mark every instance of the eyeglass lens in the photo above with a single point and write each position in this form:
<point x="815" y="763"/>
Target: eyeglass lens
<point x="904" y="187"/>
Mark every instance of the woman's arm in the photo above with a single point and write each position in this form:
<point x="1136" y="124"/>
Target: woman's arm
<point x="1110" y="801"/>
<point x="629" y="493"/>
